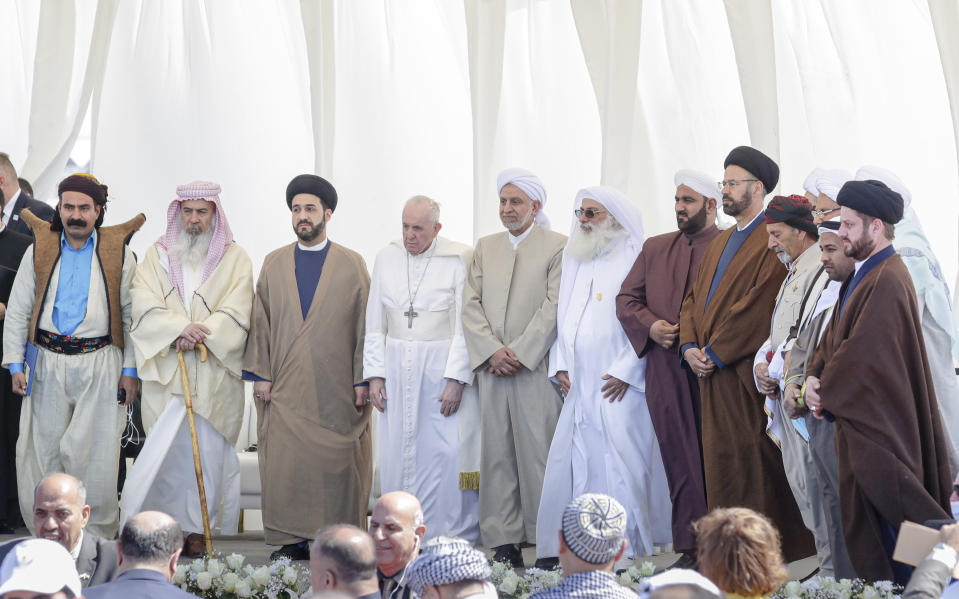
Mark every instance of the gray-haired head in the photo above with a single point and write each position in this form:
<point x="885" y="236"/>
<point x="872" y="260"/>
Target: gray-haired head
<point x="64" y="483"/>
<point x="433" y="205"/>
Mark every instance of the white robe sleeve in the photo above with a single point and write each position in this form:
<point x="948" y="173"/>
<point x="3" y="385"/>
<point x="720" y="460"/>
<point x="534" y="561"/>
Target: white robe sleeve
<point x="458" y="360"/>
<point x="19" y="308"/>
<point x="126" y="306"/>
<point x="629" y="368"/>
<point x="374" y="341"/>
<point x="761" y="359"/>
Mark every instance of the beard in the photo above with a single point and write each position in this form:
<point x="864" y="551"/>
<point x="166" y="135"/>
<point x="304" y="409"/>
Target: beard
<point x="312" y="233"/>
<point x="518" y="225"/>
<point x="860" y="248"/>
<point x="192" y="247"/>
<point x="735" y="207"/>
<point x="783" y="255"/>
<point x="693" y="224"/>
<point x="590" y="243"/>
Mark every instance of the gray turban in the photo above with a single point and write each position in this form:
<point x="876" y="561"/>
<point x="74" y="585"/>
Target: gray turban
<point x="594" y="527"/>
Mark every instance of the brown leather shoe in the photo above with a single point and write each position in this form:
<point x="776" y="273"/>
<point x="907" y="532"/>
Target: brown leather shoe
<point x="194" y="545"/>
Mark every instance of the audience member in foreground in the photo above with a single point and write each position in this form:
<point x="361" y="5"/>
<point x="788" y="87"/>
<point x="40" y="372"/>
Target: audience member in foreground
<point x="724" y="319"/>
<point x="592" y="538"/>
<point x="648" y="307"/>
<point x="397" y="530"/>
<point x="60" y="514"/>
<point x="740" y="551"/>
<point x="305" y="356"/>
<point x="509" y="322"/>
<point x="604" y="416"/>
<point x="870" y="372"/>
<point x="679" y="583"/>
<point x="343" y="558"/>
<point x="38" y="569"/>
<point x="149" y="547"/>
<point x="450" y="568"/>
<point x="934" y="573"/>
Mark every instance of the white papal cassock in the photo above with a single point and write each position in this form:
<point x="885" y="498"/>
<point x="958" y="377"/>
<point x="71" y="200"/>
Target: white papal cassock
<point x="434" y="457"/>
<point x="598" y="446"/>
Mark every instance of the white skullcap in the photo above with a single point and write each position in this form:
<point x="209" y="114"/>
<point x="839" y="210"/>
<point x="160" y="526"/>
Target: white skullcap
<point x="531" y="185"/>
<point x="39" y="566"/>
<point x="594" y="527"/>
<point x="699" y="182"/>
<point x="810" y="183"/>
<point x="830" y="181"/>
<point x="677" y="576"/>
<point x="891" y="180"/>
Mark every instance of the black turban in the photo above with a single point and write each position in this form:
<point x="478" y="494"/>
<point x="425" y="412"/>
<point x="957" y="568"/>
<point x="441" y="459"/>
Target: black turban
<point x="794" y="210"/>
<point x="758" y="164"/>
<point x="312" y="185"/>
<point x="873" y="198"/>
<point x="85" y="184"/>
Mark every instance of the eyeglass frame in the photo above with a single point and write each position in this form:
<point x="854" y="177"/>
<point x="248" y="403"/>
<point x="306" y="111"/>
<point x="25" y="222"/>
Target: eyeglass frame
<point x="823" y="213"/>
<point x="731" y="183"/>
<point x="589" y="212"/>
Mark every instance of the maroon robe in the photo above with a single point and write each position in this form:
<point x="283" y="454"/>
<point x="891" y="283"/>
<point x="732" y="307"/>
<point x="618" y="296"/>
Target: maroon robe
<point x="669" y="264"/>
<point x="743" y="467"/>
<point x="893" y="460"/>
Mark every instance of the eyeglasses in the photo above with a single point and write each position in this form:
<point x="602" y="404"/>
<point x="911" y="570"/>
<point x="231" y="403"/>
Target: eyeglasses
<point x="823" y="213"/>
<point x="589" y="212"/>
<point x="730" y="183"/>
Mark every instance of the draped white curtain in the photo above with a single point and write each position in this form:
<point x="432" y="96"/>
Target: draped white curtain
<point x="389" y="99"/>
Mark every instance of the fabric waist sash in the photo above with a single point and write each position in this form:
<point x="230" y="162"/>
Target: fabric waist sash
<point x="427" y="326"/>
<point x="66" y="344"/>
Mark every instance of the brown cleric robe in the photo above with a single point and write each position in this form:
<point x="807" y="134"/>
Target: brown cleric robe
<point x="876" y="382"/>
<point x="743" y="467"/>
<point x="654" y="290"/>
<point x="314" y="444"/>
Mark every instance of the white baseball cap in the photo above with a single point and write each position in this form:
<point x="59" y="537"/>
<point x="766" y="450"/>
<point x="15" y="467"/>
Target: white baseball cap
<point x="39" y="566"/>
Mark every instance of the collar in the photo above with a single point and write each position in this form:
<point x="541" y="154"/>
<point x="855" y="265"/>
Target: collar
<point x="75" y="552"/>
<point x="316" y="248"/>
<point x="427" y="253"/>
<point x="374" y="595"/>
<point x="11" y="202"/>
<point x="762" y="214"/>
<point x="87" y="245"/>
<point x="515" y="240"/>
<point x="398" y="576"/>
<point x="143" y="574"/>
<point x="875" y="258"/>
<point x="700" y="233"/>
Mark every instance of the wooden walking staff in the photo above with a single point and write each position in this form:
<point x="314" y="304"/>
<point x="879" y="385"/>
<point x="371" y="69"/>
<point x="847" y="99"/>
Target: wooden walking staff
<point x="197" y="467"/>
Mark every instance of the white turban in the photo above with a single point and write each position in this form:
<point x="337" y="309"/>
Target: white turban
<point x="830" y="181"/>
<point x="698" y="182"/>
<point x="810" y="183"/>
<point x="677" y="576"/>
<point x="531" y="185"/>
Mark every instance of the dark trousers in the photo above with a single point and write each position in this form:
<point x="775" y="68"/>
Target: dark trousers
<point x="9" y="431"/>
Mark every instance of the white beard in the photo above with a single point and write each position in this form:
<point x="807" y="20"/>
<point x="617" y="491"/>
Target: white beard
<point x="192" y="249"/>
<point x="587" y="245"/>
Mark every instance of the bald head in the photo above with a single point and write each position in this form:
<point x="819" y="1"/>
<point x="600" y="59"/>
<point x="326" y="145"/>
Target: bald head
<point x="60" y="511"/>
<point x="397" y="529"/>
<point x="62" y="485"/>
<point x="150" y="539"/>
<point x="342" y="557"/>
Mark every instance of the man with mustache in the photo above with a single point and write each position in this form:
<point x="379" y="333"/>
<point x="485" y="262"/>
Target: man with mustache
<point x="871" y="374"/>
<point x="793" y="237"/>
<point x="509" y="321"/>
<point x="648" y="307"/>
<point x="305" y="356"/>
<point x="195" y="285"/>
<point x="68" y="320"/>
<point x="823" y="478"/>
<point x="724" y="319"/>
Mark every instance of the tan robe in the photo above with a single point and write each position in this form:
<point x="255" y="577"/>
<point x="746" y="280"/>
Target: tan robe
<point x="510" y="300"/>
<point x="314" y="444"/>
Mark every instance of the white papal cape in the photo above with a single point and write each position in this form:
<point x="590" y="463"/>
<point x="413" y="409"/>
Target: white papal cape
<point x="598" y="446"/>
<point x="163" y="478"/>
<point x="434" y="457"/>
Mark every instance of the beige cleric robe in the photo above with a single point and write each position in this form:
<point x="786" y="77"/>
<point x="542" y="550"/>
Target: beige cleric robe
<point x="222" y="304"/>
<point x="510" y="300"/>
<point x="314" y="444"/>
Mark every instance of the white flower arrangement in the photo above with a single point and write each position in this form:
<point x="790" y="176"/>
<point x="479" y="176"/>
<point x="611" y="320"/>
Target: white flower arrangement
<point x="511" y="585"/>
<point x="228" y="578"/>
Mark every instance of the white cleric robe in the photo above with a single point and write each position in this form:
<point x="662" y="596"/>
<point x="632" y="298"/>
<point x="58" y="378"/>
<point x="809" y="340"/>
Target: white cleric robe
<point x="163" y="477"/>
<point x="434" y="457"/>
<point x="598" y="446"/>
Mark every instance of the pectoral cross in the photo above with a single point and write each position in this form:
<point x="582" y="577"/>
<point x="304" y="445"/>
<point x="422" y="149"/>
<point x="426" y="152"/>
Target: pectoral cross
<point x="410" y="315"/>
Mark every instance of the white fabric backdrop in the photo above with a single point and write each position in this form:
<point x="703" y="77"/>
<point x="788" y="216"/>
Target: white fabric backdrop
<point x="391" y="99"/>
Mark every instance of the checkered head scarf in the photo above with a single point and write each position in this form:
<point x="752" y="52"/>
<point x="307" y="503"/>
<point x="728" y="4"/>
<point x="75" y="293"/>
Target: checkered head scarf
<point x="222" y="235"/>
<point x="594" y="526"/>
<point x="447" y="560"/>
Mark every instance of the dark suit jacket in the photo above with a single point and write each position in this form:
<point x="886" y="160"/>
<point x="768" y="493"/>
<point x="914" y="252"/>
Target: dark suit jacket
<point x="144" y="584"/>
<point x="38" y="208"/>
<point x="96" y="564"/>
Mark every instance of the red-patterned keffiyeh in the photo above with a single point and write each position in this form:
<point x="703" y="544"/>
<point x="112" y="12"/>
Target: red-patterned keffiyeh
<point x="222" y="235"/>
<point x="794" y="210"/>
